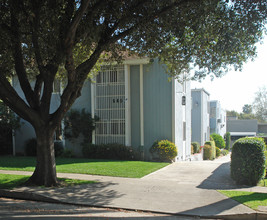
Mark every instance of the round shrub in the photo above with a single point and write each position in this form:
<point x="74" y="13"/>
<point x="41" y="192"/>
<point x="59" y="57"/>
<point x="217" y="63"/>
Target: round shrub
<point x="31" y="147"/>
<point x="248" y="161"/>
<point x="165" y="150"/>
<point x="224" y="152"/>
<point x="219" y="141"/>
<point x="196" y="147"/>
<point x="209" y="150"/>
<point x="218" y="152"/>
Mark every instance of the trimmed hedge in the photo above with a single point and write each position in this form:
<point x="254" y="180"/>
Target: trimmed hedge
<point x="218" y="151"/>
<point x="219" y="141"/>
<point x="196" y="147"/>
<point x="165" y="150"/>
<point x="248" y="161"/>
<point x="108" y="151"/>
<point x="209" y="150"/>
<point x="227" y="140"/>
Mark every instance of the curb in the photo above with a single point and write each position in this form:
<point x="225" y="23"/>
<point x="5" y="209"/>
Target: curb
<point x="24" y="195"/>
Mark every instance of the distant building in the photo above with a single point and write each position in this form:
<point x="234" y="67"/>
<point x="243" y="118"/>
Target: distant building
<point x="217" y="118"/>
<point x="262" y="129"/>
<point x="200" y="116"/>
<point x="242" y="128"/>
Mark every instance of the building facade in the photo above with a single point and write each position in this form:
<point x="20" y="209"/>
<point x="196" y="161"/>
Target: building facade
<point x="217" y="118"/>
<point x="200" y="116"/>
<point x="137" y="104"/>
<point x="242" y="128"/>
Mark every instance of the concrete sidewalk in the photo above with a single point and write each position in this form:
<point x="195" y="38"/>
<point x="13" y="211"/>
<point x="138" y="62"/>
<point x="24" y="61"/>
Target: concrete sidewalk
<point x="182" y="188"/>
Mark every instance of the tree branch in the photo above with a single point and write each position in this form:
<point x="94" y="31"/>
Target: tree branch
<point x="70" y="36"/>
<point x="14" y="101"/>
<point x="19" y="65"/>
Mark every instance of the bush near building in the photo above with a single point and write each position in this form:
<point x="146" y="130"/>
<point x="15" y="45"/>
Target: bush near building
<point x="248" y="161"/>
<point x="219" y="141"/>
<point x="109" y="151"/>
<point x="196" y="147"/>
<point x="165" y="150"/>
<point x="209" y="150"/>
<point x="218" y="152"/>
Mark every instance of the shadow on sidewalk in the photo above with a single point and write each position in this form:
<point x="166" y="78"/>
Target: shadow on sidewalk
<point x="96" y="194"/>
<point x="216" y="208"/>
<point x="219" y="179"/>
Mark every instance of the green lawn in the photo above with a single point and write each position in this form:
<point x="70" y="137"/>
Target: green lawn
<point x="8" y="181"/>
<point x="132" y="169"/>
<point x="250" y="199"/>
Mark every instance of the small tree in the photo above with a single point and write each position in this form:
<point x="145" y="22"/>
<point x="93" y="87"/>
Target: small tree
<point x="247" y="109"/>
<point x="260" y="104"/>
<point x="219" y="141"/>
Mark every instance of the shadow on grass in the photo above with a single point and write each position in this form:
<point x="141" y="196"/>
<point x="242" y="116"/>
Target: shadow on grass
<point x="251" y="199"/>
<point x="10" y="181"/>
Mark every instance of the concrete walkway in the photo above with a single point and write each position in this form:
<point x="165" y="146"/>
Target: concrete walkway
<point x="182" y="188"/>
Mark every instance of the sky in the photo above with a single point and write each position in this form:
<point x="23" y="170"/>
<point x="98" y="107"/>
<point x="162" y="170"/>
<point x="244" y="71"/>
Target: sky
<point x="235" y="89"/>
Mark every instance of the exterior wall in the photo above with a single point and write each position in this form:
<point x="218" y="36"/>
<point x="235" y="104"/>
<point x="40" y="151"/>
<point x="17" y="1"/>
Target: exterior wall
<point x="182" y="119"/>
<point x="205" y="117"/>
<point x="157" y="105"/>
<point x="162" y="108"/>
<point x="223" y="123"/>
<point x="188" y="119"/>
<point x="200" y="116"/>
<point x="196" y="116"/>
<point x="217" y="118"/>
<point x="242" y="125"/>
<point x="135" y="106"/>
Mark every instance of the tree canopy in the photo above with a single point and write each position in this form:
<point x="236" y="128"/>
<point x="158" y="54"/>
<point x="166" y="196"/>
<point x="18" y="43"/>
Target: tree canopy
<point x="40" y="37"/>
<point x="260" y="104"/>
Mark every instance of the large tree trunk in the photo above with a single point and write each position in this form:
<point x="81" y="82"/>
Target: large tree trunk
<point x="45" y="170"/>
